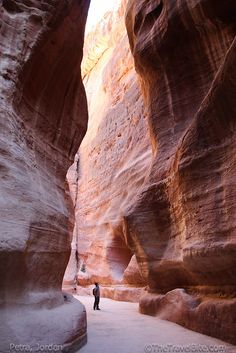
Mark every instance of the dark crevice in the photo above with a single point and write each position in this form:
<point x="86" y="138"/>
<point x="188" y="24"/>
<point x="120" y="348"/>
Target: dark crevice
<point x="152" y="16"/>
<point x="137" y="23"/>
<point x="147" y="20"/>
<point x="11" y="6"/>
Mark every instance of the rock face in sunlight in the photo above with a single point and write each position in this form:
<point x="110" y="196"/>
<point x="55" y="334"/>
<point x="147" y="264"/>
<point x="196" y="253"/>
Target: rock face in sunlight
<point x="43" y="114"/>
<point x="113" y="158"/>
<point x="182" y="228"/>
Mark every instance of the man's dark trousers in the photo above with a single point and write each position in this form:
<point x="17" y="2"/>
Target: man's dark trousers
<point x="96" y="303"/>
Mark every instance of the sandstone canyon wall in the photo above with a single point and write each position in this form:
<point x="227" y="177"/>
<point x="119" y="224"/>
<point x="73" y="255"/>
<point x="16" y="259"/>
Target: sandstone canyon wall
<point x="183" y="227"/>
<point x="113" y="158"/>
<point x="43" y="114"/>
<point x="155" y="205"/>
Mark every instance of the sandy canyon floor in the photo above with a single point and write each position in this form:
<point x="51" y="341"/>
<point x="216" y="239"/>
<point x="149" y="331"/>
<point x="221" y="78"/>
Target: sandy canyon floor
<point x="119" y="328"/>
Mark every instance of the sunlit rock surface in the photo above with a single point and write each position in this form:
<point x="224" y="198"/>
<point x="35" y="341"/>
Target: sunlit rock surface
<point x="43" y="117"/>
<point x="113" y="158"/>
<point x="182" y="228"/>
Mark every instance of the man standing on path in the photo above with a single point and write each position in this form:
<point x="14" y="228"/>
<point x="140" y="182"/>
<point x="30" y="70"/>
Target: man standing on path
<point x="96" y="293"/>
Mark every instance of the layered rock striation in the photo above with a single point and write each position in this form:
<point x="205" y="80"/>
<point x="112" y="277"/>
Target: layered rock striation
<point x="43" y="117"/>
<point x="182" y="229"/>
<point x="154" y="178"/>
<point x="113" y="158"/>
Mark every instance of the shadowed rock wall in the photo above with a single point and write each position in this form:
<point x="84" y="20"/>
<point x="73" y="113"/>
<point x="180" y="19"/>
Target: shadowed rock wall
<point x="182" y="228"/>
<point x="43" y="118"/>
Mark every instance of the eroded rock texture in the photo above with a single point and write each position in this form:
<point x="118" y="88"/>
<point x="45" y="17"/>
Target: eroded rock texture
<point x="43" y="114"/>
<point x="113" y="158"/>
<point x="182" y="229"/>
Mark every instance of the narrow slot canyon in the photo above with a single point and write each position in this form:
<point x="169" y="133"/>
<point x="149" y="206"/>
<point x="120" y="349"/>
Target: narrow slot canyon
<point x="117" y="166"/>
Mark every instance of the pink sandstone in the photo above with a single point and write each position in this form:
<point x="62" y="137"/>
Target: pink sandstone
<point x="43" y="114"/>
